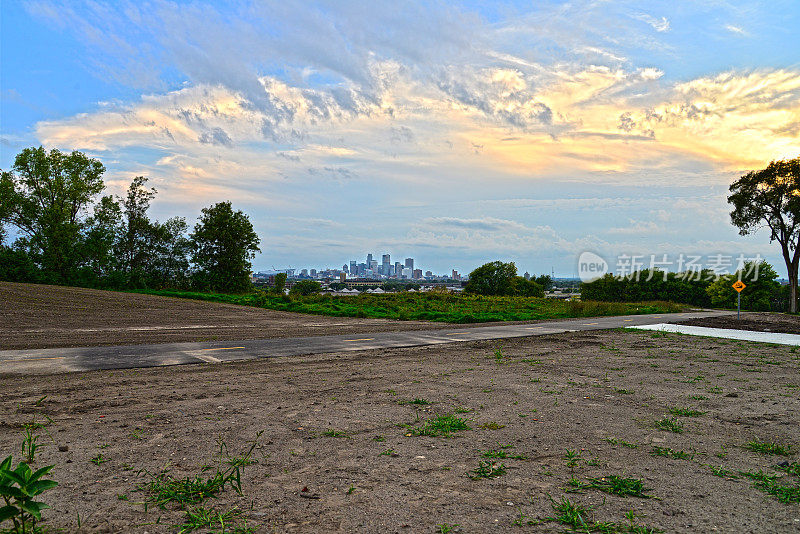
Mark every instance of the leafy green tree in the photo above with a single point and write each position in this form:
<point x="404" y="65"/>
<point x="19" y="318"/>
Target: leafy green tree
<point x="494" y="278"/>
<point x="771" y="198"/>
<point x="545" y="281"/>
<point x="135" y="246"/>
<point x="757" y="296"/>
<point x="306" y="287"/>
<point x="280" y="283"/>
<point x="526" y="288"/>
<point x="337" y="286"/>
<point x="103" y="229"/>
<point x="223" y="243"/>
<point x="45" y="196"/>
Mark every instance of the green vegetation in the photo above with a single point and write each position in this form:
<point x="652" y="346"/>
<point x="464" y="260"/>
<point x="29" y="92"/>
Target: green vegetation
<point x="18" y="487"/>
<point x="685" y="412"/>
<point x="68" y="234"/>
<point x="670" y="424"/>
<point x="769" y="447"/>
<point x="430" y="307"/>
<point x="487" y="469"/>
<point x="442" y="425"/>
<point x="774" y="485"/>
<point x="499" y="278"/>
<point x="615" y="485"/>
<point x="670" y="453"/>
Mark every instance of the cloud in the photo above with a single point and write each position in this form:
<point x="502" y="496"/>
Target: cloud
<point x="737" y="30"/>
<point x="659" y="25"/>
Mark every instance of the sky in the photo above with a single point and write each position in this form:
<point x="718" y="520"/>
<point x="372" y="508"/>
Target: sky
<point x="453" y="132"/>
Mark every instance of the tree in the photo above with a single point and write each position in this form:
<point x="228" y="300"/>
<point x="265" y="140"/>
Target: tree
<point x="306" y="287"/>
<point x="526" y="288"/>
<point x="493" y="278"/>
<point x="223" y="243"/>
<point x="135" y="244"/>
<point x="757" y="296"/>
<point x="771" y="198"/>
<point x="45" y="197"/>
<point x="280" y="283"/>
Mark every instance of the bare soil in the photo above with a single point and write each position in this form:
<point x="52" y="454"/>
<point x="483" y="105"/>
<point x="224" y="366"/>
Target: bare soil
<point x="338" y="426"/>
<point x="757" y="322"/>
<point x="42" y="316"/>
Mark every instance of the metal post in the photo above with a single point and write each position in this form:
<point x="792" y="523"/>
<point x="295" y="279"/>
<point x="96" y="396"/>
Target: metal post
<point x="739" y="306"/>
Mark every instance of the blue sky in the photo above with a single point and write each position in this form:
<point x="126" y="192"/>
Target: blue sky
<point x="456" y="133"/>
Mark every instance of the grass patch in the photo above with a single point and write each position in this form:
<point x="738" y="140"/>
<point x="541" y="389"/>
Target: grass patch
<point x="208" y="518"/>
<point x="442" y="425"/>
<point x="615" y="441"/>
<point x="774" y="485"/>
<point x="685" y="412"/>
<point x="670" y="424"/>
<point x="487" y="469"/>
<point x="501" y="453"/>
<point x="614" y="485"/>
<point x="419" y="402"/>
<point x="447" y="308"/>
<point x="770" y="447"/>
<point x="333" y="433"/>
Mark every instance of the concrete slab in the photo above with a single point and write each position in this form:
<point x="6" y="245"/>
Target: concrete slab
<point x="742" y="335"/>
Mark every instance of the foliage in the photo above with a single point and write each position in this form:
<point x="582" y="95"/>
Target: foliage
<point x="280" y="283"/>
<point x="771" y="198"/>
<point x="449" y="308"/>
<point x="757" y="296"/>
<point x="499" y="278"/>
<point x="305" y="288"/>
<point x="687" y="288"/>
<point x="223" y="243"/>
<point x="395" y="285"/>
<point x="18" y="488"/>
<point x="46" y="196"/>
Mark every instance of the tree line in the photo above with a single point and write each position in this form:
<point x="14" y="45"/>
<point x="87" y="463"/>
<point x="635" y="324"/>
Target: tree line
<point x="68" y="234"/>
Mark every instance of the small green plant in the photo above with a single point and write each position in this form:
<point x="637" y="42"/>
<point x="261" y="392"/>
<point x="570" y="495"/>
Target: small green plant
<point x="487" y="469"/>
<point x="720" y="471"/>
<point x="670" y="424"/>
<point x="491" y="425"/>
<point x="226" y="522"/>
<point x="502" y="454"/>
<point x="685" y="412"/>
<point x="615" y="485"/>
<point x="773" y="485"/>
<point x="572" y="457"/>
<point x="446" y="528"/>
<point x="18" y="488"/>
<point x="670" y="453"/>
<point x="379" y="438"/>
<point x="442" y="425"/>
<point x="388" y="452"/>
<point x="417" y="401"/>
<point x="615" y="441"/>
<point x="769" y="447"/>
<point x="98" y="459"/>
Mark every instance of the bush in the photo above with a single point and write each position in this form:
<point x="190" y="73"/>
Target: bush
<point x="305" y="287"/>
<point x="759" y="294"/>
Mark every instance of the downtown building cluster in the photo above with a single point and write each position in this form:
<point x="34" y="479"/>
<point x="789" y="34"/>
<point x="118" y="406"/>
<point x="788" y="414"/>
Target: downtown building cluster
<point x="371" y="269"/>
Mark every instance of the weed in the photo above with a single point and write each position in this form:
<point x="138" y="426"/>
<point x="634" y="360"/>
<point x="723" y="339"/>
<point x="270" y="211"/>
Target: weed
<point x="350" y="490"/>
<point x="99" y="459"/>
<point x="164" y="489"/>
<point x="615" y="441"/>
<point x="197" y="518"/>
<point x="768" y="447"/>
<point x="670" y="453"/>
<point x="614" y="485"/>
<point x="771" y="484"/>
<point x="491" y="426"/>
<point x="446" y="528"/>
<point x="442" y="425"/>
<point x="572" y="457"/>
<point x="791" y="468"/>
<point x="463" y="409"/>
<point x="723" y="473"/>
<point x="18" y="487"/>
<point x="379" y="438"/>
<point x="624" y="391"/>
<point x="685" y="412"/>
<point x="333" y="433"/>
<point x="487" y="469"/>
<point x="670" y="424"/>
<point x="420" y="402"/>
<point x="502" y="454"/>
<point x="388" y="452"/>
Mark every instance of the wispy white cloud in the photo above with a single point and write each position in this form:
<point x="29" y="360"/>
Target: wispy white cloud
<point x="658" y="24"/>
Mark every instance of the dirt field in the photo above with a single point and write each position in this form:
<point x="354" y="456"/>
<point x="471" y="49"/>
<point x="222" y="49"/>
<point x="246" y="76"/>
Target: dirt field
<point x="338" y="451"/>
<point x="758" y="322"/>
<point x="76" y="317"/>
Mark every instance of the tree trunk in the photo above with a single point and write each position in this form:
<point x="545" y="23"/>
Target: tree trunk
<point x="793" y="288"/>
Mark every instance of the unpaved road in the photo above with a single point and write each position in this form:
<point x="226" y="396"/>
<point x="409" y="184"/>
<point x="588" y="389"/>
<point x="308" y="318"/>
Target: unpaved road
<point x="595" y="393"/>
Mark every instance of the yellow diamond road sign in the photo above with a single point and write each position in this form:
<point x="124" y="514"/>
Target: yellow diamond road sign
<point x="739" y="285"/>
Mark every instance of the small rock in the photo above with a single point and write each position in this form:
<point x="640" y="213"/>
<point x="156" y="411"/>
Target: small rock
<point x="732" y="395"/>
<point x="63" y="448"/>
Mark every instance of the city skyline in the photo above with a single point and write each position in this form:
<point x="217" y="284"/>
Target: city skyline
<point x="459" y="132"/>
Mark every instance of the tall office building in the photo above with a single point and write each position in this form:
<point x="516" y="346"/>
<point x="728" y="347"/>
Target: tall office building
<point x="369" y="260"/>
<point x="353" y="268"/>
<point x="398" y="268"/>
<point x="410" y="263"/>
<point x="385" y="265"/>
<point x="344" y="268"/>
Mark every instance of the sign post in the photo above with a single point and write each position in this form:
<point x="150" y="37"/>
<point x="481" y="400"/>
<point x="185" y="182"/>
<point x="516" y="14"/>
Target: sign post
<point x="738" y="286"/>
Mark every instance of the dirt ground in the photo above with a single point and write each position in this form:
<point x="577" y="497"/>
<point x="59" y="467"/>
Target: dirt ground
<point x="77" y="317"/>
<point x="758" y="322"/>
<point x="338" y="454"/>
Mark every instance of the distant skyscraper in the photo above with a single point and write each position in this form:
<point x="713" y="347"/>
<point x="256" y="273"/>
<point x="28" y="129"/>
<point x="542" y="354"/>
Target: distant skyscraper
<point x="353" y="268"/>
<point x="398" y="268"/>
<point x="410" y="263"/>
<point x="385" y="264"/>
<point x="417" y="274"/>
<point x="369" y="260"/>
<point x="344" y="268"/>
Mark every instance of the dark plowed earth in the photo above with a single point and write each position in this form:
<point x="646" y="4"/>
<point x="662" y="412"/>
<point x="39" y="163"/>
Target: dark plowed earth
<point x="757" y="322"/>
<point x="338" y="452"/>
<point x="41" y="316"/>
